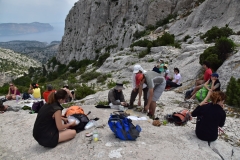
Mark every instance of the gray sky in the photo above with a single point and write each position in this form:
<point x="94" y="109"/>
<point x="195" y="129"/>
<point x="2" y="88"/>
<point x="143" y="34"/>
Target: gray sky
<point x="27" y="11"/>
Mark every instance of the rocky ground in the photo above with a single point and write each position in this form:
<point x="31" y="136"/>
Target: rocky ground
<point x="164" y="142"/>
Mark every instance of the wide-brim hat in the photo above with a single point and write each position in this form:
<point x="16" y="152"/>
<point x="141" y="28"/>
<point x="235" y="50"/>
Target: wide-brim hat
<point x="138" y="68"/>
<point x="119" y="85"/>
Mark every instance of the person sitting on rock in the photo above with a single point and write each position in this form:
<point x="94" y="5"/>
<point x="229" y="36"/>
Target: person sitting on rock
<point x="116" y="98"/>
<point x="34" y="91"/>
<point x="71" y="93"/>
<point x="176" y="82"/>
<point x="161" y="65"/>
<point x="166" y="72"/>
<point x="12" y="92"/>
<point x="156" y="85"/>
<point x="48" y="128"/>
<point x="213" y="84"/>
<point x="47" y="92"/>
<point x="200" y="82"/>
<point x="136" y="79"/>
<point x="4" y="108"/>
<point x="210" y="116"/>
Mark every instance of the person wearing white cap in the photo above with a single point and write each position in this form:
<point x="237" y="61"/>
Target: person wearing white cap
<point x="136" y="78"/>
<point x="116" y="98"/>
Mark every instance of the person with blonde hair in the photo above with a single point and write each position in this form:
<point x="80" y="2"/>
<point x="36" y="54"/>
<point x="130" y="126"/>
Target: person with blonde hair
<point x="210" y="116"/>
<point x="12" y="92"/>
<point x="48" y="128"/>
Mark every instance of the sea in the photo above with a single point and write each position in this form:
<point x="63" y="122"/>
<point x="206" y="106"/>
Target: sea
<point x="49" y="36"/>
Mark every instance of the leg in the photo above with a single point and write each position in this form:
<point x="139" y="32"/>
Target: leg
<point x="145" y="92"/>
<point x="66" y="135"/>
<point x="196" y="89"/>
<point x="193" y="96"/>
<point x="172" y="84"/>
<point x="133" y="96"/>
<point x="152" y="107"/>
<point x="199" y="82"/>
<point x="207" y="97"/>
<point x="13" y="97"/>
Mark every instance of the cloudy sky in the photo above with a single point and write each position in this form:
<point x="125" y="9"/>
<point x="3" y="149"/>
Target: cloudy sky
<point x="26" y="11"/>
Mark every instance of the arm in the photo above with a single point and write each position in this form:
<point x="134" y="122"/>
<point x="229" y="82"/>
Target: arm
<point x="140" y="91"/>
<point x="122" y="97"/>
<point x="206" y="85"/>
<point x="58" y="120"/>
<point x="150" y="91"/>
<point x="215" y="87"/>
<point x="9" y="91"/>
<point x="15" y="91"/>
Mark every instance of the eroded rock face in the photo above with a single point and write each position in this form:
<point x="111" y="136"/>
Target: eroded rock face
<point x="210" y="13"/>
<point x="93" y="25"/>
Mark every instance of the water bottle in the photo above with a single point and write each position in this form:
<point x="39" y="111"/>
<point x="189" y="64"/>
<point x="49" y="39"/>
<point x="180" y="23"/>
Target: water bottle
<point x="90" y="124"/>
<point x="95" y="136"/>
<point x="17" y="98"/>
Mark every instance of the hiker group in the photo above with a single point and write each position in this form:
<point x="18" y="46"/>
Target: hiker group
<point x="49" y="130"/>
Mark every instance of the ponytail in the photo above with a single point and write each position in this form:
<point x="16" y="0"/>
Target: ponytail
<point x="55" y="96"/>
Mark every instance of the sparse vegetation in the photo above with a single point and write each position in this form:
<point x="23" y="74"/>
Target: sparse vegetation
<point x="233" y="92"/>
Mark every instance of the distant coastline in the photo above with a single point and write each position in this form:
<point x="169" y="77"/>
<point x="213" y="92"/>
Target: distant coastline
<point x="48" y="36"/>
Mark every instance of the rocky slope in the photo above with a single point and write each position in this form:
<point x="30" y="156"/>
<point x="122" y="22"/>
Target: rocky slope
<point x="14" y="65"/>
<point x="40" y="51"/>
<point x="92" y="26"/>
<point x="11" y="29"/>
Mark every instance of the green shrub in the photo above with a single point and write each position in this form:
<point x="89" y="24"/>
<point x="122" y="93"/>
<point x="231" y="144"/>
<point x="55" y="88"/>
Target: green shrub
<point x="233" y="92"/>
<point x="89" y="76"/>
<point x="111" y="84"/>
<point x="102" y="59"/>
<point x="225" y="47"/>
<point x="165" y="20"/>
<point x="141" y="43"/>
<point x="4" y="89"/>
<point x="83" y="91"/>
<point x="142" y="54"/>
<point x="102" y="78"/>
<point x="108" y="48"/>
<point x="186" y="37"/>
<point x="102" y="103"/>
<point x="165" y="40"/>
<point x="215" y="33"/>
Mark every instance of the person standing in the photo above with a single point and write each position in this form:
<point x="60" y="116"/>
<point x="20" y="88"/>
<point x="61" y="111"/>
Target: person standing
<point x="156" y="85"/>
<point x="12" y="92"/>
<point x="136" y="79"/>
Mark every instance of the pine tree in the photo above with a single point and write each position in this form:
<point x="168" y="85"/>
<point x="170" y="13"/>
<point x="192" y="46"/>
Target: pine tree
<point x="233" y="92"/>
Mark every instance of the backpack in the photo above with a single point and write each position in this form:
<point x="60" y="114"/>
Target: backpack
<point x="201" y="94"/>
<point x="37" y="106"/>
<point x="25" y="96"/>
<point x="74" y="110"/>
<point x="122" y="127"/>
<point x="180" y="118"/>
<point x="83" y="121"/>
<point x="188" y="94"/>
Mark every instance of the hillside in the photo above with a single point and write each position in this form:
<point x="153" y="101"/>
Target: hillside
<point x="14" y="65"/>
<point x="40" y="51"/>
<point x="11" y="29"/>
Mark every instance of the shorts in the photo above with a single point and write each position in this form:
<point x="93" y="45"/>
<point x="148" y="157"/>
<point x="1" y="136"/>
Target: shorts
<point x="157" y="91"/>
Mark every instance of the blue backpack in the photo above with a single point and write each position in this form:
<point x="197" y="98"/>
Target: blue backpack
<point x="122" y="127"/>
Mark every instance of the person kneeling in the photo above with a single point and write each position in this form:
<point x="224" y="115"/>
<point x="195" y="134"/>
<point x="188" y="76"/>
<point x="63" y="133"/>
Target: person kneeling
<point x="210" y="116"/>
<point x="48" y="128"/>
<point x="116" y="98"/>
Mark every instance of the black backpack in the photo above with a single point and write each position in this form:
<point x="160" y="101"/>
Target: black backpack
<point x="83" y="121"/>
<point x="25" y="96"/>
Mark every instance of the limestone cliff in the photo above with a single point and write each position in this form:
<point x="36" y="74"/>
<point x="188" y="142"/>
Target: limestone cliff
<point x="94" y="25"/>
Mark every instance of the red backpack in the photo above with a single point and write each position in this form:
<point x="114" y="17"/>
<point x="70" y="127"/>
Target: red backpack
<point x="180" y="118"/>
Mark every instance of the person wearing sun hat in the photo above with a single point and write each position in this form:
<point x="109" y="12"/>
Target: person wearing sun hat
<point x="136" y="79"/>
<point x="116" y="98"/>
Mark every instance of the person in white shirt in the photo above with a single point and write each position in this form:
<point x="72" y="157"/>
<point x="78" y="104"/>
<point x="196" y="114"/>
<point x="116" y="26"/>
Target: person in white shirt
<point x="136" y="76"/>
<point x="176" y="82"/>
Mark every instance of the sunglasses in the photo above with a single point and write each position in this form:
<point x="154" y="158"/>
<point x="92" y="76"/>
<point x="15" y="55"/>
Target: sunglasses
<point x="10" y="85"/>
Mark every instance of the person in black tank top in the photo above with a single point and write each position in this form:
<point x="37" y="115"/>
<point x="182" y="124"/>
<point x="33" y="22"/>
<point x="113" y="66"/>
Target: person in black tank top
<point x="48" y="129"/>
<point x="213" y="84"/>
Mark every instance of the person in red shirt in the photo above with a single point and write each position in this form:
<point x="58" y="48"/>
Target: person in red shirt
<point x="46" y="93"/>
<point x="200" y="82"/>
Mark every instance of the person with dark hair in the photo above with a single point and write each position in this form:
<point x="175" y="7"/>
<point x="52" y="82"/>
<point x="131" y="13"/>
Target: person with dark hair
<point x="200" y="82"/>
<point x="210" y="116"/>
<point x="48" y="128"/>
<point x="4" y="108"/>
<point x="34" y="91"/>
<point x="12" y="92"/>
<point x="176" y="82"/>
<point x="116" y="98"/>
<point x="47" y="92"/>
<point x="156" y="85"/>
